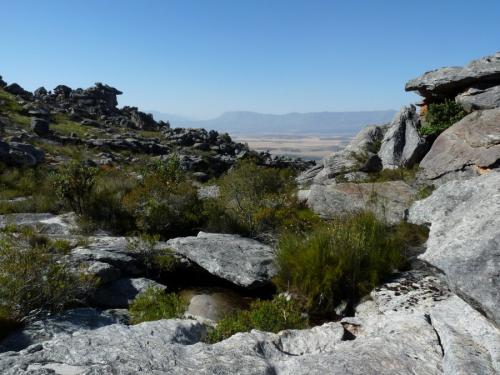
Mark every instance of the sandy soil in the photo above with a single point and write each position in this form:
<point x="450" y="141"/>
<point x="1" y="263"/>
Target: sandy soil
<point x="306" y="147"/>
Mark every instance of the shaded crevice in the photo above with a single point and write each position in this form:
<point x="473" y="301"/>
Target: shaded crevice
<point x="429" y="320"/>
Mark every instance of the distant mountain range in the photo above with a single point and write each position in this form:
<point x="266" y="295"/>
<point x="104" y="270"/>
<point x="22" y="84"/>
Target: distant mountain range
<point x="313" y="123"/>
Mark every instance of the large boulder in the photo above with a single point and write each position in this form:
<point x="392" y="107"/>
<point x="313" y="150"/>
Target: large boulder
<point x="449" y="82"/>
<point x="45" y="223"/>
<point x="402" y="145"/>
<point x="241" y="261"/>
<point x="359" y="155"/>
<point x="464" y="239"/>
<point x="20" y="154"/>
<point x="40" y="126"/>
<point x="15" y="89"/>
<point x="388" y="200"/>
<point x="465" y="149"/>
<point x="475" y="98"/>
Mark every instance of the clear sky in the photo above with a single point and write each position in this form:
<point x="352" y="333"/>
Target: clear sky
<point x="201" y="58"/>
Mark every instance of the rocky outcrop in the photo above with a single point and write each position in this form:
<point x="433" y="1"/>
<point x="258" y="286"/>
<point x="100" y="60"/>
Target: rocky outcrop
<point x="443" y="83"/>
<point x="359" y="155"/>
<point x="20" y="154"/>
<point x="40" y="126"/>
<point x="242" y="261"/>
<point x="466" y="149"/>
<point x="44" y="223"/>
<point x="475" y="99"/>
<point x="402" y="145"/>
<point x="389" y="200"/>
<point x="464" y="240"/>
<point x="67" y="323"/>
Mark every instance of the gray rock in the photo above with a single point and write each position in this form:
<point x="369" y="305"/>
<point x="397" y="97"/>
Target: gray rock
<point x="306" y="178"/>
<point x="208" y="192"/>
<point x="40" y="92"/>
<point x="402" y="145"/>
<point x="388" y="200"/>
<point x="45" y="223"/>
<point x="15" y="89"/>
<point x="464" y="240"/>
<point x="475" y="98"/>
<point x="121" y="293"/>
<point x="359" y="155"/>
<point x="20" y="154"/>
<point x="449" y="82"/>
<point x="40" y="126"/>
<point x="71" y="321"/>
<point x="471" y="343"/>
<point x="465" y="149"/>
<point x="242" y="261"/>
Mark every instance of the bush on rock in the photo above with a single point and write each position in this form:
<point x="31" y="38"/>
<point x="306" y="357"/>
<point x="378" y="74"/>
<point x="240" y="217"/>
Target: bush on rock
<point x="155" y="304"/>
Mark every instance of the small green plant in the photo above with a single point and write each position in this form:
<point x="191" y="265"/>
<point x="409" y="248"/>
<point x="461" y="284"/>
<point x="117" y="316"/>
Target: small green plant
<point x="34" y="279"/>
<point x="440" y="116"/>
<point x="155" y="304"/>
<point x="424" y="192"/>
<point x="165" y="202"/>
<point x="338" y="261"/>
<point x="270" y="316"/>
<point x="154" y="259"/>
<point x="73" y="184"/>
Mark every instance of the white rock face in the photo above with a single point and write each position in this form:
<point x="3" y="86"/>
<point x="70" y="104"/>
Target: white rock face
<point x="242" y="261"/>
<point x="464" y="239"/>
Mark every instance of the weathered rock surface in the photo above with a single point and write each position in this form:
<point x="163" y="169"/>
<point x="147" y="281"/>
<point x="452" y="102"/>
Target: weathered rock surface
<point x="402" y="145"/>
<point x="388" y="200"/>
<point x="71" y="321"/>
<point x="20" y="154"/>
<point x="45" y="223"/>
<point x="465" y="149"/>
<point x="464" y="239"/>
<point x="359" y="155"/>
<point x="449" y="82"/>
<point x="242" y="261"/>
<point x="40" y="126"/>
<point x="475" y="98"/>
<point x="121" y="293"/>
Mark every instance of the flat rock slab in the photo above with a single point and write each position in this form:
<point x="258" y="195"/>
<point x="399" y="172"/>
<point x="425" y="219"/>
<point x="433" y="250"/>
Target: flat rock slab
<point x="388" y="200"/>
<point x="45" y="223"/>
<point x="464" y="238"/>
<point x="466" y="148"/>
<point x="242" y="261"/>
<point x="474" y="98"/>
<point x="82" y="319"/>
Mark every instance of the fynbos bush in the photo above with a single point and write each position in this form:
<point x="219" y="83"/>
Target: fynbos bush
<point x="440" y="116"/>
<point x="155" y="304"/>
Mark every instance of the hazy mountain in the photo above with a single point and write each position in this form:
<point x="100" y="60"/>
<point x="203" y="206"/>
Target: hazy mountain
<point x="318" y="123"/>
<point x="172" y="118"/>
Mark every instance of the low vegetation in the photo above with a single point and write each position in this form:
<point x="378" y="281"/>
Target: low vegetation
<point x="34" y="278"/>
<point x="339" y="261"/>
<point x="270" y="316"/>
<point x="440" y="116"/>
<point x="155" y="260"/>
<point x="155" y="304"/>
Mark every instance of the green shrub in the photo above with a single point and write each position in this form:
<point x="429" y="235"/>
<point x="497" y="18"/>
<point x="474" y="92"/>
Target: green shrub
<point x="405" y="174"/>
<point x="339" y="261"/>
<point x="269" y="316"/>
<point x="156" y="260"/>
<point x="105" y="207"/>
<point x="73" y="184"/>
<point x="165" y="202"/>
<point x="155" y="304"/>
<point x="440" y="116"/>
<point x="255" y="200"/>
<point x="34" y="279"/>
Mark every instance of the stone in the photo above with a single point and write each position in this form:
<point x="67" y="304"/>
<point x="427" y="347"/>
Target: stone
<point x="67" y="323"/>
<point x="15" y="89"/>
<point x="475" y="99"/>
<point x="40" y="126"/>
<point x="388" y="200"/>
<point x="20" y="154"/>
<point x="40" y="92"/>
<point x="449" y="82"/>
<point x="121" y="293"/>
<point x="208" y="192"/>
<point x="402" y="145"/>
<point x="464" y="240"/>
<point x="471" y="344"/>
<point x="44" y="223"/>
<point x="359" y="155"/>
<point x="242" y="261"/>
<point x="466" y="149"/>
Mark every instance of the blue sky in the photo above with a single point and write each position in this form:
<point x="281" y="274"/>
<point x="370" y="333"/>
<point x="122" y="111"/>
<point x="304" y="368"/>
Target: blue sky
<point x="201" y="58"/>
